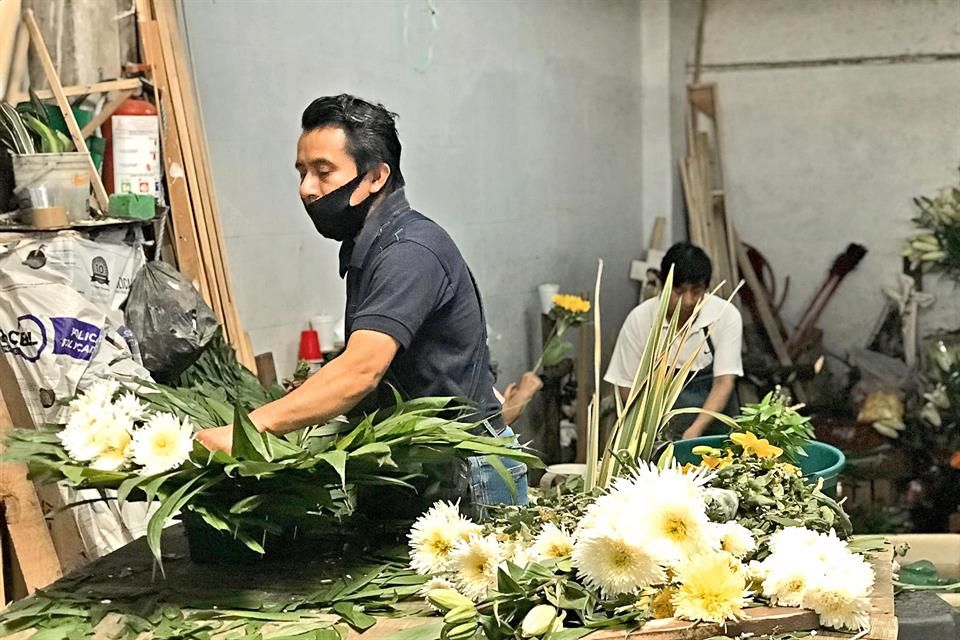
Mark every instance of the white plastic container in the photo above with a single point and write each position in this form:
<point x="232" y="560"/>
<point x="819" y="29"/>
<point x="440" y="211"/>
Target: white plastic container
<point x="324" y="326"/>
<point x="53" y="180"/>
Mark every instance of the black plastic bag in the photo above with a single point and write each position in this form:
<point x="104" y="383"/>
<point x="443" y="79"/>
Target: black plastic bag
<point x="170" y="319"/>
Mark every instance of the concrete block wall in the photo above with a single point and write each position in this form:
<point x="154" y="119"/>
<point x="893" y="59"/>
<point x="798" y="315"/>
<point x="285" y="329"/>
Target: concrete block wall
<point x="832" y="120"/>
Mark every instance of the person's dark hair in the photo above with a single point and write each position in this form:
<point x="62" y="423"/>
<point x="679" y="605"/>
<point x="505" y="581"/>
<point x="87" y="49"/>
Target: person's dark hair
<point x="690" y="265"/>
<point x="371" y="131"/>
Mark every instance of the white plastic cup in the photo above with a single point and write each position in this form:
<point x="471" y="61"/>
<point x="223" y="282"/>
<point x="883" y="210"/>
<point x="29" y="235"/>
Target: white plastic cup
<point x="547" y="291"/>
<point x="324" y="325"/>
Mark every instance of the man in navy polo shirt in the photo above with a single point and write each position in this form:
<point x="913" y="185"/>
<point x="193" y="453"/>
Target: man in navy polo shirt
<point x="414" y="318"/>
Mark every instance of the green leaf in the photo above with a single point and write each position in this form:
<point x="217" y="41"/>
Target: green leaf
<point x="354" y="616"/>
<point x="556" y="351"/>
<point x="247" y="504"/>
<point x="506" y="584"/>
<point x="337" y="459"/>
<point x="173" y="503"/>
<point x="248" y="443"/>
<point x="430" y="630"/>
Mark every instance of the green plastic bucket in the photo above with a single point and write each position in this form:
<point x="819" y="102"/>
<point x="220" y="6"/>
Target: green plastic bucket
<point x="822" y="460"/>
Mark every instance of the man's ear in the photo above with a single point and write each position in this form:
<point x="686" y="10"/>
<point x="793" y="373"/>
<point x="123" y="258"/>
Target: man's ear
<point x="380" y="174"/>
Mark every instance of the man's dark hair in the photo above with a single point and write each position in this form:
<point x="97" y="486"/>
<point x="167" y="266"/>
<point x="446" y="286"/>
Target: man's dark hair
<point x="690" y="265"/>
<point x="371" y="131"/>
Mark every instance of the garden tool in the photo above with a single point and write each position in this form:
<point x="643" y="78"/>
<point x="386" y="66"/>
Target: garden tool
<point x="842" y="265"/>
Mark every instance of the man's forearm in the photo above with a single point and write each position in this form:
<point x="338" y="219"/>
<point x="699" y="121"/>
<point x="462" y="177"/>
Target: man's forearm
<point x="335" y="389"/>
<point x="716" y="401"/>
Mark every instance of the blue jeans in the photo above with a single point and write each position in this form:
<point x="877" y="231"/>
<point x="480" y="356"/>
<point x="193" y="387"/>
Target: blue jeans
<point x="486" y="485"/>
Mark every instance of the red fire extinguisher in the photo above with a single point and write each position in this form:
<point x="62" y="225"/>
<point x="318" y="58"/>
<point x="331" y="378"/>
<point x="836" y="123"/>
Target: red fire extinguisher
<point x="131" y="159"/>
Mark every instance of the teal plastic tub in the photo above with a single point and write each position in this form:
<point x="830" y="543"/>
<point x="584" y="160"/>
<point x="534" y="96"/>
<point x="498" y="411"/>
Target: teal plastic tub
<point x="822" y="460"/>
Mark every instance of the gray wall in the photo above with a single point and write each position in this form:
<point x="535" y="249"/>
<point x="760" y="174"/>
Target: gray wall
<point x="520" y="125"/>
<point x="819" y="156"/>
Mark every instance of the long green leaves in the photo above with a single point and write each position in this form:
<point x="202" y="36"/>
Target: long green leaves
<point x="657" y="384"/>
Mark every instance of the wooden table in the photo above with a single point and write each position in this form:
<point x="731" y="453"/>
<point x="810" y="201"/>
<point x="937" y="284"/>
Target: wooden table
<point x="129" y="573"/>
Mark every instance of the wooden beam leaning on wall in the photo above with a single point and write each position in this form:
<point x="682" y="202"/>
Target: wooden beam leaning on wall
<point x="186" y="246"/>
<point x="209" y="218"/>
<point x="32" y="548"/>
<point x="195" y="216"/>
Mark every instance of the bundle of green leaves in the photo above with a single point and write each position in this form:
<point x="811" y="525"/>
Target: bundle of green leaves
<point x="268" y="484"/>
<point x="773" y="495"/>
<point x="778" y="423"/>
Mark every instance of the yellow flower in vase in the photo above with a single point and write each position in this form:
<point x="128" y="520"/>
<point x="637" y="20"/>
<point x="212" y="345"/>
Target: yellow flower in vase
<point x="571" y="304"/>
<point x="759" y="447"/>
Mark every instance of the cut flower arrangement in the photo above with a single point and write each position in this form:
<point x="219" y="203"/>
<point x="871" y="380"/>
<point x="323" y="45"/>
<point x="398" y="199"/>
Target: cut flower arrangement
<point x="654" y="545"/>
<point x="636" y="540"/>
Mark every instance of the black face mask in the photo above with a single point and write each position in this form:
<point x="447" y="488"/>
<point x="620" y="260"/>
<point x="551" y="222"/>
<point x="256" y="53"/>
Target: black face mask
<point x="334" y="216"/>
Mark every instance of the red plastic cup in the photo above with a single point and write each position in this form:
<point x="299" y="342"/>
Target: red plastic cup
<point x="310" y="346"/>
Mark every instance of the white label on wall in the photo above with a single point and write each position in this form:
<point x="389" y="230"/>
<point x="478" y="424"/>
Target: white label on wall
<point x="136" y="155"/>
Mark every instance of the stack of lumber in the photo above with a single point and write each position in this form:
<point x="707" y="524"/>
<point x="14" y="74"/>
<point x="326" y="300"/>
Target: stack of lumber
<point x="195" y="216"/>
<point x="709" y="226"/>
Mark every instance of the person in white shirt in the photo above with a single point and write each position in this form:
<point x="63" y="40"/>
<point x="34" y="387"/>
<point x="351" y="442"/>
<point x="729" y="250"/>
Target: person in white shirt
<point x="717" y="365"/>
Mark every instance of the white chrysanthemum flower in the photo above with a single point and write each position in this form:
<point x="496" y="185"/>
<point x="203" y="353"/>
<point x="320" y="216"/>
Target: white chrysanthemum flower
<point x="787" y="579"/>
<point x="100" y="394"/>
<point x="938" y="397"/>
<point x="115" y="457"/>
<point x="129" y="408"/>
<point x="435" y="583"/>
<point x="648" y="482"/>
<point x="163" y="443"/>
<point x="609" y="510"/>
<point x="116" y="445"/>
<point x="434" y="536"/>
<point x="735" y="539"/>
<point x="678" y="527"/>
<point x="517" y="551"/>
<point x="81" y="435"/>
<point x="552" y="542"/>
<point x="615" y="563"/>
<point x="474" y="562"/>
<point x="794" y="541"/>
<point x="840" y="606"/>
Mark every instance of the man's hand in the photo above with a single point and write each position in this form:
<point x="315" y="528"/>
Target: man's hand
<point x="518" y="394"/>
<point x="523" y="390"/>
<point x="216" y="439"/>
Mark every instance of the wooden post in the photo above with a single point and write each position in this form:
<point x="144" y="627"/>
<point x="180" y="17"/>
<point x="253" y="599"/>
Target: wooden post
<point x="36" y="38"/>
<point x="31" y="544"/>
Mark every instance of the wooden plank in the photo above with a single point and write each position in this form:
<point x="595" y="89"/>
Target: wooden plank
<point x="186" y="246"/>
<point x="658" y="234"/>
<point x="18" y="69"/>
<point x="50" y="71"/>
<point x="30" y="541"/>
<point x="9" y="25"/>
<point x="167" y="16"/>
<point x="122" y="84"/>
<point x="197" y="197"/>
<point x="112" y="105"/>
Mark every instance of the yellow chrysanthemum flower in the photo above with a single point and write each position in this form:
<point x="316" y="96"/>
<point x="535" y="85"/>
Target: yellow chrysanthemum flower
<point x="759" y="447"/>
<point x="712" y="588"/>
<point x="573" y="304"/>
<point x="790" y="469"/>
